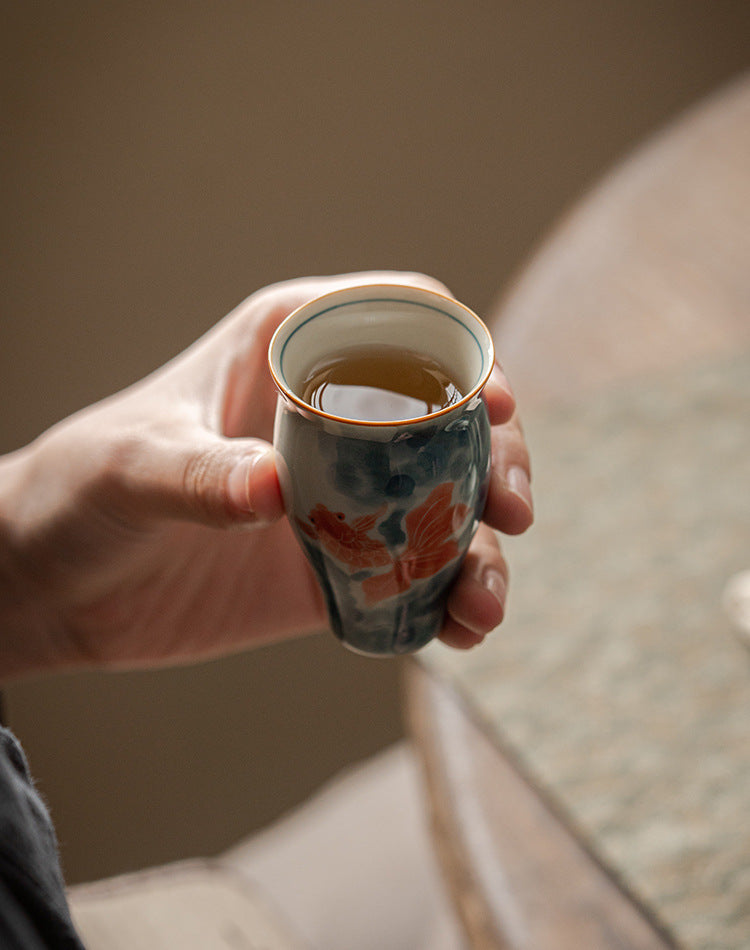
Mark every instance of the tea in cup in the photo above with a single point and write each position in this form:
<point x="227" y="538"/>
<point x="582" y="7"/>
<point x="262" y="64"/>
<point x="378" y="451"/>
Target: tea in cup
<point x="384" y="442"/>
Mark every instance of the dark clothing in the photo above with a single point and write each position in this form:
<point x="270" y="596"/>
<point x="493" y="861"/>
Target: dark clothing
<point x="34" y="911"/>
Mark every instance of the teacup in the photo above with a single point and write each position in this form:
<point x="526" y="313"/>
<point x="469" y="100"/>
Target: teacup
<point x="384" y="509"/>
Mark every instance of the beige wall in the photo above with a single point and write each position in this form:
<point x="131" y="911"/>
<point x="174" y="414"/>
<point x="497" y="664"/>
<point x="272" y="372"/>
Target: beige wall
<point x="164" y="159"/>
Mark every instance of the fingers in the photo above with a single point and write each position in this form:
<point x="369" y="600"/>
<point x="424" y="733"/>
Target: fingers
<point x="498" y="397"/>
<point x="228" y="483"/>
<point x="509" y="507"/>
<point x="193" y="475"/>
<point x="477" y="601"/>
<point x="252" y="486"/>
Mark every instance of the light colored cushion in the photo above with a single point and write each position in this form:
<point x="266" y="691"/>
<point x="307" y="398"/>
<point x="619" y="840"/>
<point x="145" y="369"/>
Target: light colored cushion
<point x="354" y="868"/>
<point x="351" y="869"/>
<point x="196" y="905"/>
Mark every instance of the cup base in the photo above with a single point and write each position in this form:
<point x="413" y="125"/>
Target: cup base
<point x="407" y="633"/>
<point x="387" y="654"/>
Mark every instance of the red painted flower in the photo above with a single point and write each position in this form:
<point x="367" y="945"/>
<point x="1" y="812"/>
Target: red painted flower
<point x="431" y="545"/>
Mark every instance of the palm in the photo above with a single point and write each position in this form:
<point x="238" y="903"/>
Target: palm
<point x="189" y="590"/>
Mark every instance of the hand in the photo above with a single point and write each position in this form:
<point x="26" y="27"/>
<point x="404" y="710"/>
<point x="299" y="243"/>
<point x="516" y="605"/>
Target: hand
<point x="147" y="529"/>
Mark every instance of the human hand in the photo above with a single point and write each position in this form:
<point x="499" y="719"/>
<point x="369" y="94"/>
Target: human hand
<point x="147" y="529"/>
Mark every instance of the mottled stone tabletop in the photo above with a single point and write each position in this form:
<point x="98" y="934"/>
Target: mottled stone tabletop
<point x="619" y="677"/>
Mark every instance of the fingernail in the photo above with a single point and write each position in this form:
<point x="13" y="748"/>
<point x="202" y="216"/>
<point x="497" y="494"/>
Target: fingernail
<point x="238" y="482"/>
<point x="494" y="582"/>
<point x="518" y="483"/>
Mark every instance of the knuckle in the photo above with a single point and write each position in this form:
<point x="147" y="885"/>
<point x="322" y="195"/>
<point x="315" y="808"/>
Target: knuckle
<point x="202" y="487"/>
<point x="509" y="447"/>
<point x="114" y="462"/>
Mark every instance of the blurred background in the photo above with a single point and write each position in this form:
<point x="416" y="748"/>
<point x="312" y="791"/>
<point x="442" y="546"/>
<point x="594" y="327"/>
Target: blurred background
<point x="161" y="161"/>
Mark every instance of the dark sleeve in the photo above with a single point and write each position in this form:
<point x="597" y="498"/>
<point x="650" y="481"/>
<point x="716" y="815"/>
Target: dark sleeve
<point x="34" y="911"/>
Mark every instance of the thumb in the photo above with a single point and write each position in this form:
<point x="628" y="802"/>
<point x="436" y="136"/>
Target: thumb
<point x="252" y="484"/>
<point x="212" y="480"/>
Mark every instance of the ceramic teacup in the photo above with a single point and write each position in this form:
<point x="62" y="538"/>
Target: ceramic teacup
<point x="384" y="510"/>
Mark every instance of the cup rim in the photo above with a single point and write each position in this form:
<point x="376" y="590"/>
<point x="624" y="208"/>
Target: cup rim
<point x="389" y="289"/>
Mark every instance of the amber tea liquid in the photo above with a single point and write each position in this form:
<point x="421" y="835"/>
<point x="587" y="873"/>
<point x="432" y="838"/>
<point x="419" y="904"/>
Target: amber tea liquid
<point x="379" y="383"/>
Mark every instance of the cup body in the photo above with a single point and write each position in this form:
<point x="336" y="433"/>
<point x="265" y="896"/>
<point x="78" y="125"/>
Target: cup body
<point x="384" y="511"/>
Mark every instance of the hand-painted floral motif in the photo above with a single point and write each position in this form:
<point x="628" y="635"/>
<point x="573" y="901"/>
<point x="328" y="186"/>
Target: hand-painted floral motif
<point x="431" y="529"/>
<point x="347" y="543"/>
<point x="385" y="521"/>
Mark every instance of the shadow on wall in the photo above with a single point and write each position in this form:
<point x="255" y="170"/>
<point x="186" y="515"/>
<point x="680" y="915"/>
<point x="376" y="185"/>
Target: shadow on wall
<point x="163" y="161"/>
